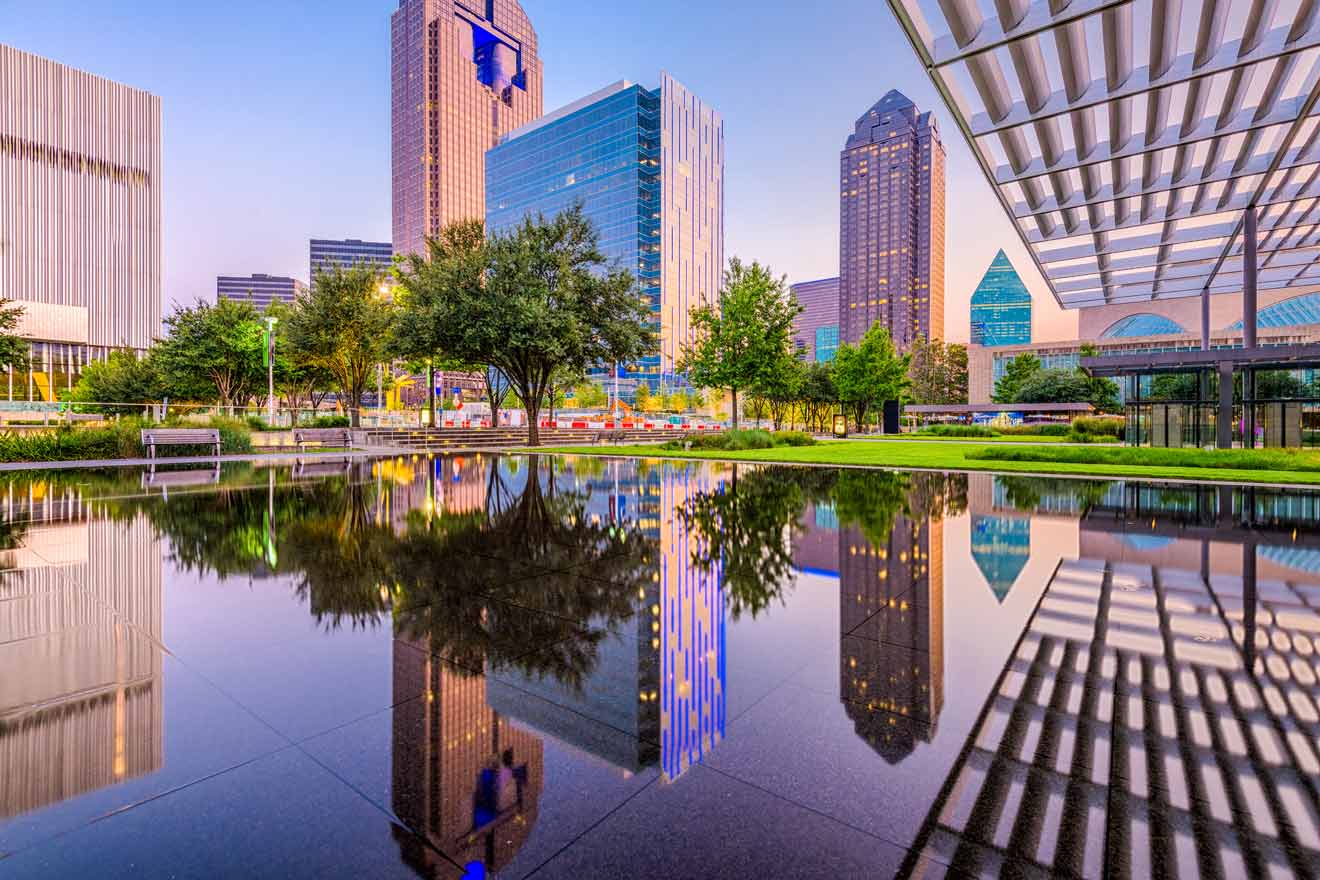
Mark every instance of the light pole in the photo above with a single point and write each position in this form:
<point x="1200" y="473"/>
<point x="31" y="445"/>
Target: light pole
<point x="270" y="369"/>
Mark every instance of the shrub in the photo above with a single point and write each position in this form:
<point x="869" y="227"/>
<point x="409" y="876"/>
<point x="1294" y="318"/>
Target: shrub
<point x="957" y="431"/>
<point x="794" y="438"/>
<point x="123" y="439"/>
<point x="257" y="423"/>
<point x="328" y="422"/>
<point x="1051" y="429"/>
<point x="1236" y="459"/>
<point x="741" y="440"/>
<point x="1103" y="426"/>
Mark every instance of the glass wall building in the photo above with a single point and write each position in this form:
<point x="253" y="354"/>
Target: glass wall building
<point x="324" y="253"/>
<point x="1001" y="306"/>
<point x="648" y="167"/>
<point x="816" y="328"/>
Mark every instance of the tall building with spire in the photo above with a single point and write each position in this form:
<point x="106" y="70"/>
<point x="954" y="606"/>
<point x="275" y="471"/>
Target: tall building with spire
<point x="891" y="224"/>
<point x="463" y="75"/>
<point x="1001" y="306"/>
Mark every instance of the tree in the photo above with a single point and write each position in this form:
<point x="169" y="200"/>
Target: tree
<point x="1016" y="372"/>
<point x="342" y="325"/>
<point x="780" y="386"/>
<point x="544" y="307"/>
<point x="121" y="379"/>
<point x="870" y="373"/>
<point x="642" y="398"/>
<point x="1101" y="393"/>
<point x="212" y="352"/>
<point x="1054" y="385"/>
<point x="13" y="349"/>
<point x="939" y="372"/>
<point x="743" y="336"/>
<point x="453" y="259"/>
<point x="818" y="394"/>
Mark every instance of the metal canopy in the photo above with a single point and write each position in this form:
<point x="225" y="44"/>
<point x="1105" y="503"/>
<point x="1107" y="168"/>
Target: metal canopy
<point x="1126" y="138"/>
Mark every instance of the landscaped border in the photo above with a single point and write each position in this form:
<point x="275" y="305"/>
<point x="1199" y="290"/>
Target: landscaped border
<point x="921" y="455"/>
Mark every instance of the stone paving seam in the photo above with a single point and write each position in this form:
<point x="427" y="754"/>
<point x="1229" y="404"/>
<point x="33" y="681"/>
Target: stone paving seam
<point x="557" y="853"/>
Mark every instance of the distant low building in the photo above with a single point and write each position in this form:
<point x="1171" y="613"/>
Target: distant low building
<point x="260" y="290"/>
<point x="326" y="253"/>
<point x="816" y="328"/>
<point x="1001" y="306"/>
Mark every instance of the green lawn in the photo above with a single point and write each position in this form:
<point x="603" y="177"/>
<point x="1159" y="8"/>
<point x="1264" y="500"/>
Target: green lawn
<point x="1172" y="464"/>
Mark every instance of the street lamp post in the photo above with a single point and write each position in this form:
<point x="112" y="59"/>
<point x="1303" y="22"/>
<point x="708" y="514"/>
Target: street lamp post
<point x="270" y="369"/>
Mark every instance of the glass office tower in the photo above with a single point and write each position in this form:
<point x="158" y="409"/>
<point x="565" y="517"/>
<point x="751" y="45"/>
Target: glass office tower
<point x="1001" y="306"/>
<point x="648" y="167"/>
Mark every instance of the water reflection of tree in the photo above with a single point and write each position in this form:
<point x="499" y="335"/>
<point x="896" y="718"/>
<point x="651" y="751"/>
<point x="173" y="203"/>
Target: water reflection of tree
<point x="746" y="525"/>
<point x="1028" y="493"/>
<point x="534" y="572"/>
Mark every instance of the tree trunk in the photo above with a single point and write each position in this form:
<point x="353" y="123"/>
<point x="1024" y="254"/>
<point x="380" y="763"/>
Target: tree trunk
<point x="734" y="393"/>
<point x="430" y="392"/>
<point x="533" y="425"/>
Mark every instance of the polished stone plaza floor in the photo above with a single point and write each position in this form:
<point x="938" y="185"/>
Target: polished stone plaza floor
<point x="449" y="667"/>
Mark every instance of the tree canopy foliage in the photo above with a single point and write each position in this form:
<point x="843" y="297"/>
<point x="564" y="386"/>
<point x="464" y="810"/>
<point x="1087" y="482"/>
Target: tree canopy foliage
<point x="870" y="373"/>
<point x="744" y="337"/>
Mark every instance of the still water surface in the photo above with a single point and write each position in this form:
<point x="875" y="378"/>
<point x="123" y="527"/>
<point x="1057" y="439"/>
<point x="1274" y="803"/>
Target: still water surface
<point x="490" y="666"/>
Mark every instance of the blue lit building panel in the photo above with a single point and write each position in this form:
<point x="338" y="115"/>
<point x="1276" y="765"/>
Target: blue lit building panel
<point x="1001" y="306"/>
<point x="1299" y="310"/>
<point x="606" y="155"/>
<point x="827" y="343"/>
<point x="1142" y="325"/>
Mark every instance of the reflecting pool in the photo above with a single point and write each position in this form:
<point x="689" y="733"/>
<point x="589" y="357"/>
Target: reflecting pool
<point x="471" y="667"/>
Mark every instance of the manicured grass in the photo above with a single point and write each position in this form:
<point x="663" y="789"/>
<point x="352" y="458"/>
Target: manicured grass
<point x="935" y="438"/>
<point x="1244" y="466"/>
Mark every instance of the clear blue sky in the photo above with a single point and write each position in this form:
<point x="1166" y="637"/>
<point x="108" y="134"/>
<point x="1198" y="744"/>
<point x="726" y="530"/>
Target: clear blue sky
<point x="276" y="119"/>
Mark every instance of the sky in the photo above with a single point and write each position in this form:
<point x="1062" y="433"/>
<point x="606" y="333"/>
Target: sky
<point x="277" y="120"/>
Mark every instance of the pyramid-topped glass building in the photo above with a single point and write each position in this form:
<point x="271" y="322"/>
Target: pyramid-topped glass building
<point x="1001" y="306"/>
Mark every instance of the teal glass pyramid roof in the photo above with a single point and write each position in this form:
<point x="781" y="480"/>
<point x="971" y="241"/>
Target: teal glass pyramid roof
<point x="1001" y="546"/>
<point x="1001" y="306"/>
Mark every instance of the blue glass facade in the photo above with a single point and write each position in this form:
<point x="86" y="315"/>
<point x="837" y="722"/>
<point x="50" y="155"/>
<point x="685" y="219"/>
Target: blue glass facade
<point x="1001" y="306"/>
<point x="827" y="343"/>
<point x="1304" y="309"/>
<point x="1142" y="325"/>
<point x="606" y="155"/>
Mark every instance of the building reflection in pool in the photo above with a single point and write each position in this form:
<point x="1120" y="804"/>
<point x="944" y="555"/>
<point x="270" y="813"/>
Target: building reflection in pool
<point x="1159" y="711"/>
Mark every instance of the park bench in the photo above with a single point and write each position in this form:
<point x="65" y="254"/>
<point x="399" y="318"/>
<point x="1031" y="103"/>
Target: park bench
<point x="609" y="437"/>
<point x="324" y="436"/>
<point x="154" y="479"/>
<point x="153" y="437"/>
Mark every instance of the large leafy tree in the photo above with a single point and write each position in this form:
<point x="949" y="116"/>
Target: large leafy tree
<point x="870" y="373"/>
<point x="13" y="348"/>
<point x="939" y="372"/>
<point x="1016" y="371"/>
<point x="819" y="396"/>
<point x="211" y="352"/>
<point x="118" y="382"/>
<point x="746" y="336"/>
<point x="541" y="306"/>
<point x="1053" y="385"/>
<point x="455" y="258"/>
<point x="1101" y="393"/>
<point x="342" y="325"/>
<point x="780" y="387"/>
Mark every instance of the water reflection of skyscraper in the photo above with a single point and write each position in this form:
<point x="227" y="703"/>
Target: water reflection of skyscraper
<point x="891" y="676"/>
<point x="80" y="614"/>
<point x="463" y="775"/>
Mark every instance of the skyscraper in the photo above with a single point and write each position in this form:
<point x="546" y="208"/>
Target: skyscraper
<point x="460" y="79"/>
<point x="891" y="224"/>
<point x="260" y="290"/>
<point x="1001" y="306"/>
<point x="648" y="167"/>
<point x="325" y="253"/>
<point x="816" y="328"/>
<point x="80" y="218"/>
